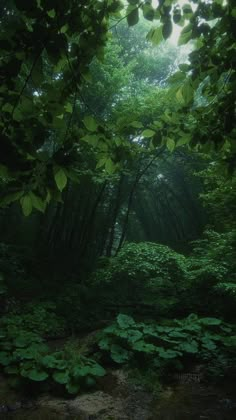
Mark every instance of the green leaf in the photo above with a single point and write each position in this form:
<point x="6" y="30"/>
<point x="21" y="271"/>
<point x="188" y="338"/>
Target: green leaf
<point x="91" y="139"/>
<point x="49" y="361"/>
<point x="125" y="321"/>
<point x="179" y="76"/>
<point x="136" y="124"/>
<point x="97" y="370"/>
<point x="119" y="354"/>
<point x="187" y="92"/>
<point x="72" y="388"/>
<point x="68" y="107"/>
<point x="185" y="35"/>
<point x="208" y="344"/>
<point x="191" y="347"/>
<point x="37" y="375"/>
<point x="37" y="202"/>
<point x="81" y="371"/>
<point x="148" y="133"/>
<point x="104" y="343"/>
<point x="90" y="123"/>
<point x="51" y="13"/>
<point x="210" y="321"/>
<point x="167" y="29"/>
<point x="143" y="347"/>
<point x="101" y="163"/>
<point x="60" y="178"/>
<point x="7" y="108"/>
<point x="109" y="166"/>
<point x="155" y="35"/>
<point x="132" y="15"/>
<point x="179" y="96"/>
<point x="184" y="140"/>
<point x="167" y="354"/>
<point x="26" y="204"/>
<point x="148" y="11"/>
<point x="170" y="143"/>
<point x="134" y="335"/>
<point x="61" y="377"/>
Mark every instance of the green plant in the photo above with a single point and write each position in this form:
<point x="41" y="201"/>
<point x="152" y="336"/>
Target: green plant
<point x="211" y="272"/>
<point x="24" y="355"/>
<point x="146" y="276"/>
<point x="168" y="343"/>
<point x="36" y="317"/>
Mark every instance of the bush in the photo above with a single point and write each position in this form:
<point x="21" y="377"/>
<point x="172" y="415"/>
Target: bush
<point x="143" y="276"/>
<point x="39" y="318"/>
<point x="212" y="275"/>
<point x="26" y="358"/>
<point x="169" y="345"/>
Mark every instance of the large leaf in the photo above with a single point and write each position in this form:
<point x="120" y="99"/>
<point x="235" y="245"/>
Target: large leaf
<point x="191" y="347"/>
<point x="185" y="35"/>
<point x="167" y="29"/>
<point x="125" y="321"/>
<point x="37" y="202"/>
<point x="144" y="347"/>
<point x="170" y="143"/>
<point x="155" y="35"/>
<point x="119" y="354"/>
<point x="26" y="204"/>
<point x="148" y="133"/>
<point x="210" y="321"/>
<point x="90" y="123"/>
<point x="61" y="377"/>
<point x="60" y="178"/>
<point x="37" y="375"/>
<point x="132" y="15"/>
<point x="134" y="335"/>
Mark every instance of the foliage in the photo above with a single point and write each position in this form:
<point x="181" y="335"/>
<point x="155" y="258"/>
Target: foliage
<point x="51" y="50"/>
<point x="141" y="273"/>
<point x="211" y="269"/>
<point x="167" y="344"/>
<point x="25" y="357"/>
<point x="219" y="195"/>
<point x="39" y="318"/>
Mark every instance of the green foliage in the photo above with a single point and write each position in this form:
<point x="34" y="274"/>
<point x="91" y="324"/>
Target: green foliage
<point x="24" y="355"/>
<point x="219" y="195"/>
<point x="39" y="318"/>
<point x="141" y="273"/>
<point x="211" y="272"/>
<point x="167" y="343"/>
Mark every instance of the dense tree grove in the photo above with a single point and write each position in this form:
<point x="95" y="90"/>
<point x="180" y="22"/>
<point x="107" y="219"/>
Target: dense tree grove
<point x="117" y="193"/>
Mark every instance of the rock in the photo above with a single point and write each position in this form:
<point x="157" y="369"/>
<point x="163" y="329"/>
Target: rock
<point x="3" y="409"/>
<point x="14" y="406"/>
<point x="97" y="405"/>
<point x="27" y="404"/>
<point x="56" y="406"/>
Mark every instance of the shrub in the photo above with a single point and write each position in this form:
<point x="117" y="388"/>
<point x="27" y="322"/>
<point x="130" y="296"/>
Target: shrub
<point x="169" y="344"/>
<point x="35" y="317"/>
<point x="142" y="272"/>
<point x="212" y="275"/>
<point x="25" y="357"/>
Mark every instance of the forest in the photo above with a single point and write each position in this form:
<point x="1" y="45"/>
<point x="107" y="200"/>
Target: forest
<point x="117" y="209"/>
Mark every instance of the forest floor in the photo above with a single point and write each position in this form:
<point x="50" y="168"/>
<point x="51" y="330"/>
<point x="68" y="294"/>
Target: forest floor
<point x="119" y="399"/>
